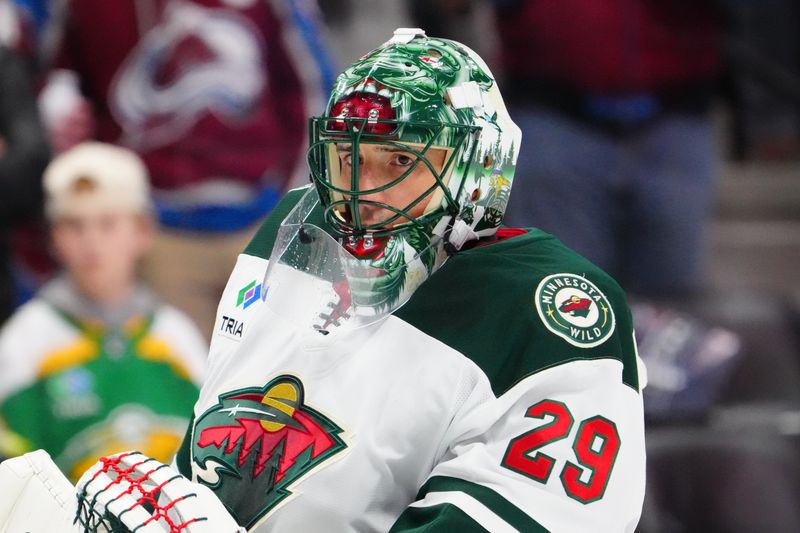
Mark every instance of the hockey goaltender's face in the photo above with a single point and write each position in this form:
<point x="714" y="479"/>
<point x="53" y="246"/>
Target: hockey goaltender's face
<point x="380" y="165"/>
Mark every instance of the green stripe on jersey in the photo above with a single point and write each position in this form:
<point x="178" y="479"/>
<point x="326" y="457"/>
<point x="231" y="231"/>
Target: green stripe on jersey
<point x="483" y="303"/>
<point x="435" y="518"/>
<point x="439" y="516"/>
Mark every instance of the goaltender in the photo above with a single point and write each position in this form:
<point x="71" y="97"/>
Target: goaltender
<point x="387" y="357"/>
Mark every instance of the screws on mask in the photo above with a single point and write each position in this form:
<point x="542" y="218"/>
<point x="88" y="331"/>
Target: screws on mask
<point x="304" y="236"/>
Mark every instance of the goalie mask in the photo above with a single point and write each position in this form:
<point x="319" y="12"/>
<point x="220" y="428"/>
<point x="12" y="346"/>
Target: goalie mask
<point x="413" y="158"/>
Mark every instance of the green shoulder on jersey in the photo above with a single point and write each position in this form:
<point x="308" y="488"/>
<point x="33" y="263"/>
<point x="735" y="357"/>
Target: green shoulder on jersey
<point x="487" y="303"/>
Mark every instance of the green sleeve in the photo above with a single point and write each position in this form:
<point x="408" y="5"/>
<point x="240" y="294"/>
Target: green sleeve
<point x="450" y="517"/>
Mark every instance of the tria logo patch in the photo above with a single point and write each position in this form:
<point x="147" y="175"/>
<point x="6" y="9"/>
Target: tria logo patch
<point x="248" y="295"/>
<point x="574" y="308"/>
<point x="231" y="327"/>
<point x="255" y="443"/>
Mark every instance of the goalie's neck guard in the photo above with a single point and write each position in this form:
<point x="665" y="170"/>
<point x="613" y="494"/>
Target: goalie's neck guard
<point x="316" y="283"/>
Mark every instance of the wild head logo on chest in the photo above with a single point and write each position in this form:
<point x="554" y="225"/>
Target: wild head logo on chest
<point x="256" y="442"/>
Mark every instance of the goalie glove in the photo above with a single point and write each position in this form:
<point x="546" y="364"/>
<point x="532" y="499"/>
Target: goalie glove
<point x="133" y="492"/>
<point x="35" y="497"/>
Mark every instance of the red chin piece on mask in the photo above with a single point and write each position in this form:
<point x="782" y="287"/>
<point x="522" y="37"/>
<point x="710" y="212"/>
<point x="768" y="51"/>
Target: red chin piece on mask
<point x="366" y="248"/>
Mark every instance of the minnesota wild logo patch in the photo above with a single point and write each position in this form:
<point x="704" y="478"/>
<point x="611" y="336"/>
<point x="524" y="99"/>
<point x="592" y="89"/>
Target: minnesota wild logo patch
<point x="574" y="308"/>
<point x="255" y="443"/>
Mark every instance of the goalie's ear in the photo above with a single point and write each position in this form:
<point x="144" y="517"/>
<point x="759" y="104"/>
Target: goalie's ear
<point x="36" y="496"/>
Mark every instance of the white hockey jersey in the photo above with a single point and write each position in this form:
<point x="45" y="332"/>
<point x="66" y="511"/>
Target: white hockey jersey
<point x="503" y="396"/>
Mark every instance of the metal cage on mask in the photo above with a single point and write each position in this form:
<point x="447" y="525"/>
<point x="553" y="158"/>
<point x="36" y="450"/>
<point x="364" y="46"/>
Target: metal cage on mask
<point x="343" y="205"/>
<point x="319" y="282"/>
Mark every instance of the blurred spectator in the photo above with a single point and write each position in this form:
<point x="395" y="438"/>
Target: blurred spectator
<point x="94" y="364"/>
<point x="613" y="97"/>
<point x="28" y="259"/>
<point x="212" y="94"/>
<point x="23" y="155"/>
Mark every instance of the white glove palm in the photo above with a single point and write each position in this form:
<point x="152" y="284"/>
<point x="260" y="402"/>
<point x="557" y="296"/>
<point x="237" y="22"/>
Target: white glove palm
<point x="35" y="497"/>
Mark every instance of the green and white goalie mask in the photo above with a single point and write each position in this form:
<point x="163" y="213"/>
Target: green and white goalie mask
<point x="413" y="158"/>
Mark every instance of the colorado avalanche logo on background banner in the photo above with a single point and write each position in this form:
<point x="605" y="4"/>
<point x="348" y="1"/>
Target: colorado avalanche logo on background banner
<point x="156" y="99"/>
<point x="256" y="442"/>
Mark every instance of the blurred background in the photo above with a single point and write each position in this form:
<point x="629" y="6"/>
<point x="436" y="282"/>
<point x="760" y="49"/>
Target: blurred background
<point x="661" y="139"/>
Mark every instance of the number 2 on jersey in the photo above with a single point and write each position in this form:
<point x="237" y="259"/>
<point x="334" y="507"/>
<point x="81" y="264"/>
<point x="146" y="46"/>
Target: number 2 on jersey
<point x="596" y="445"/>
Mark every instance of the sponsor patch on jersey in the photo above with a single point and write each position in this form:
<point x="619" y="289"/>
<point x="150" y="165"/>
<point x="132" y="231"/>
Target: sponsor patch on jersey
<point x="574" y="308"/>
<point x="248" y="295"/>
<point x="255" y="443"/>
<point x="231" y="324"/>
<point x="231" y="327"/>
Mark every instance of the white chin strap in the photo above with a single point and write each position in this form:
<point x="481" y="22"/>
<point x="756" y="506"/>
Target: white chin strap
<point x="457" y="233"/>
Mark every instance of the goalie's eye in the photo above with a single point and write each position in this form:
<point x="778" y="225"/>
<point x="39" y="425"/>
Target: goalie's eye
<point x="403" y="160"/>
